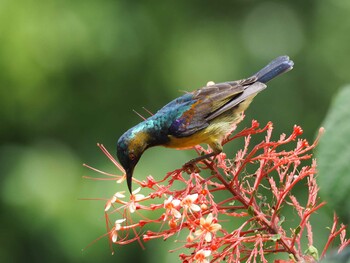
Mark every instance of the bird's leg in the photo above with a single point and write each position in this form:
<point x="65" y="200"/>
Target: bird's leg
<point x="191" y="166"/>
<point x="200" y="158"/>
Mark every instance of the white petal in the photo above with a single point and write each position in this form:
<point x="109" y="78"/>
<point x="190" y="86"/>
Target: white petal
<point x="176" y="202"/>
<point x="136" y="191"/>
<point x="208" y="237"/>
<point x="193" y="197"/>
<point x="209" y="218"/>
<point x="132" y="207"/>
<point x="139" y="197"/>
<point x="195" y="208"/>
<point x="119" y="194"/>
<point x="114" y="237"/>
<point x="121" y="179"/>
<point x="215" y="227"/>
<point x="202" y="221"/>
<point x="168" y="201"/>
<point x="206" y="252"/>
<point x="108" y="206"/>
<point x="113" y="199"/>
<point x="176" y="213"/>
<point x="119" y="221"/>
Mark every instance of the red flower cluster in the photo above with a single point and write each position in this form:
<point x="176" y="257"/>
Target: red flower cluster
<point x="256" y="185"/>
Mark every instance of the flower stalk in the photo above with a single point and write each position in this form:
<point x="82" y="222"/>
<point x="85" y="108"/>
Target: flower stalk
<point x="256" y="185"/>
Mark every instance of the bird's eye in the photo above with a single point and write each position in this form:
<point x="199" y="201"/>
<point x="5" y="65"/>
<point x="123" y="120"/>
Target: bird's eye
<point x="132" y="156"/>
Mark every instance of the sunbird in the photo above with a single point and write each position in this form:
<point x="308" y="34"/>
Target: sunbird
<point x="205" y="115"/>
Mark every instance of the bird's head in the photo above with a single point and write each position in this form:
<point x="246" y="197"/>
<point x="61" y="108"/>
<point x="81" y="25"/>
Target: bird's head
<point x="130" y="147"/>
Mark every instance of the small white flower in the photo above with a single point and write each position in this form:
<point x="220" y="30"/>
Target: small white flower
<point x="170" y="205"/>
<point x="201" y="256"/>
<point x="118" y="222"/>
<point x="117" y="227"/>
<point x="135" y="197"/>
<point x="208" y="228"/>
<point x="188" y="203"/>
<point x="114" y="198"/>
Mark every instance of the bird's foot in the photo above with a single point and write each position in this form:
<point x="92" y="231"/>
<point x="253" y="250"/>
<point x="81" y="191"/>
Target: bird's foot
<point x="191" y="167"/>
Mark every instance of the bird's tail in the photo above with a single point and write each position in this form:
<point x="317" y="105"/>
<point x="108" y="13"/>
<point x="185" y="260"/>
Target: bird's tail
<point x="274" y="68"/>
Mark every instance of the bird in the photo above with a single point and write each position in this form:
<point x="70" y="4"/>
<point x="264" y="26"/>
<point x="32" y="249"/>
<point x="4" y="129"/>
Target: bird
<point x="203" y="116"/>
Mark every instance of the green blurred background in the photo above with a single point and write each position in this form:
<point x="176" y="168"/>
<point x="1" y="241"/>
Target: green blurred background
<point x="72" y="71"/>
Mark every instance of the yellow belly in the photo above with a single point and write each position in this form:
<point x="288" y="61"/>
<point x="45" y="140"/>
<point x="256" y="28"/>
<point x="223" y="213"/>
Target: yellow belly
<point x="204" y="136"/>
<point x="213" y="134"/>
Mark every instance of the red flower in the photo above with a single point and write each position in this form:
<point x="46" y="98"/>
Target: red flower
<point x="255" y="185"/>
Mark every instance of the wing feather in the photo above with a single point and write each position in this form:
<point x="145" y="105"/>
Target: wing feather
<point x="211" y="101"/>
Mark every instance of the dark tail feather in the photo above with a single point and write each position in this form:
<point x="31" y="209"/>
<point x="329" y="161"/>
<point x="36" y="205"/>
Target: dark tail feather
<point x="274" y="68"/>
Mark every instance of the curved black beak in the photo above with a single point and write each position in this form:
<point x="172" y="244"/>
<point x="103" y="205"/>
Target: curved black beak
<point x="129" y="173"/>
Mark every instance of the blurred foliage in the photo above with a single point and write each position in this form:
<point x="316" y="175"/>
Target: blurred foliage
<point x="333" y="156"/>
<point x="72" y="71"/>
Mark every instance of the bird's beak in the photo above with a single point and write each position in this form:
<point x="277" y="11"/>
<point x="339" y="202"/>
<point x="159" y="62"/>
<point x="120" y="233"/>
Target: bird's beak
<point x="129" y="173"/>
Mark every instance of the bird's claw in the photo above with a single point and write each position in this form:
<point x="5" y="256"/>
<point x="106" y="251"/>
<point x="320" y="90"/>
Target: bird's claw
<point x="190" y="167"/>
